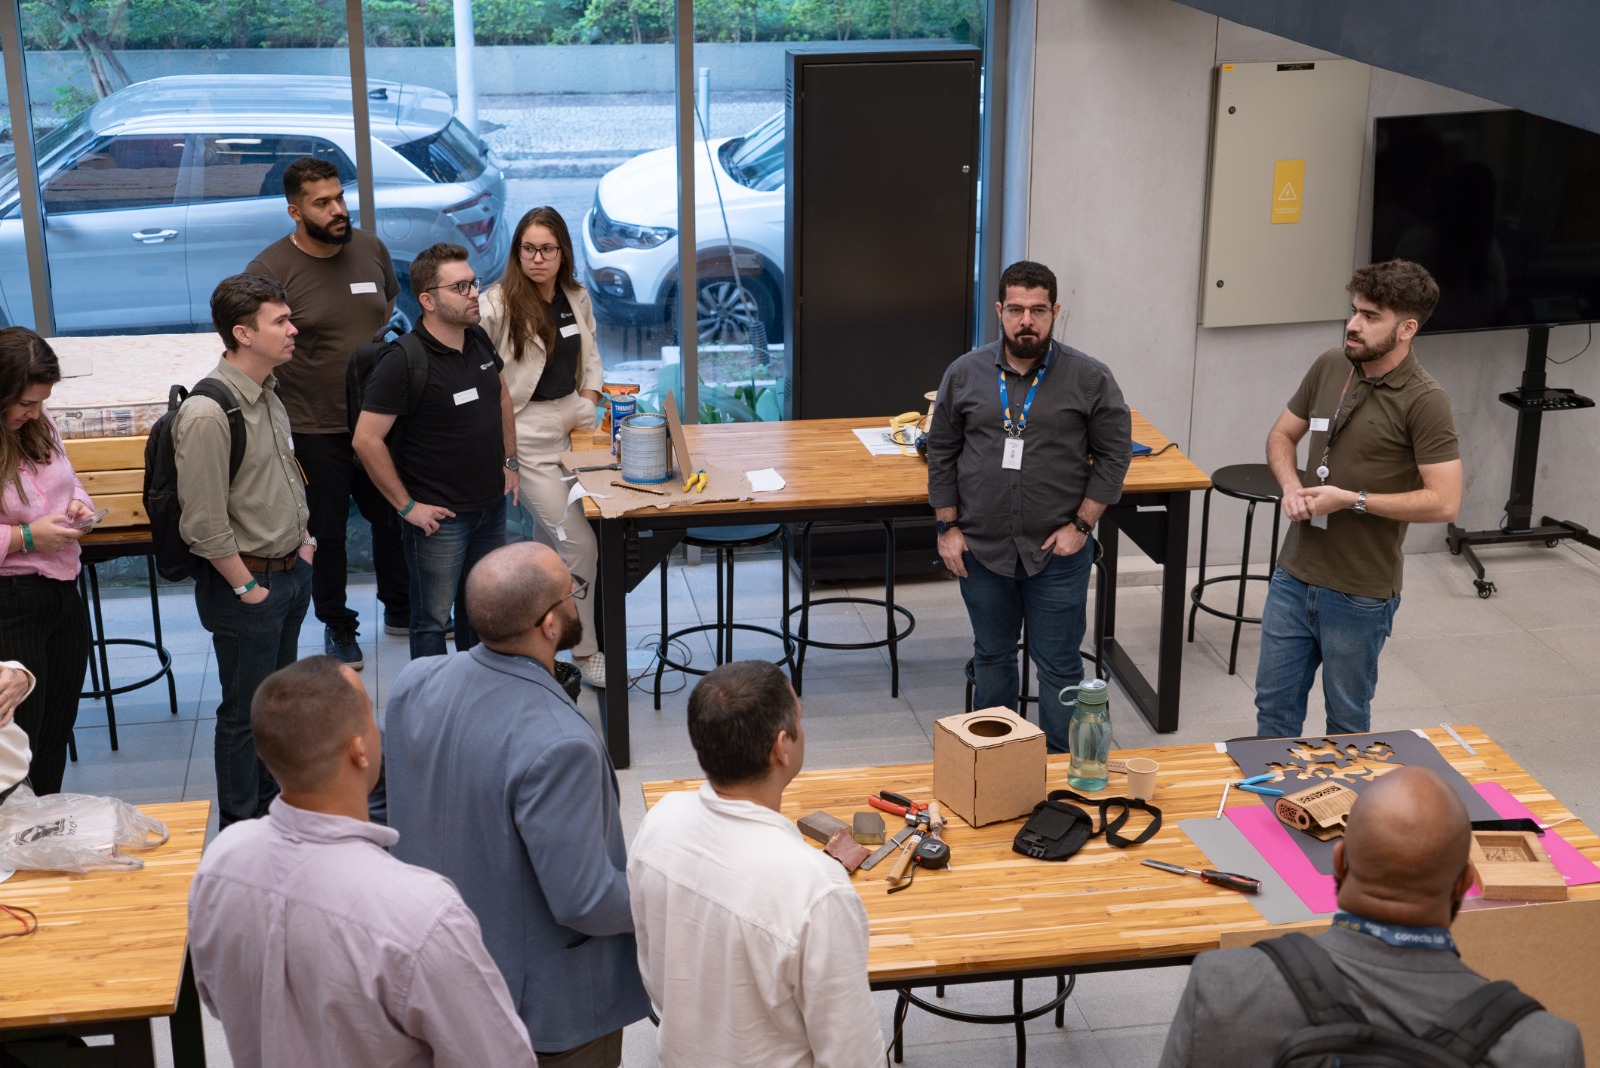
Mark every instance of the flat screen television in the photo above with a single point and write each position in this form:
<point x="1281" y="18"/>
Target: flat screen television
<point x="1502" y="207"/>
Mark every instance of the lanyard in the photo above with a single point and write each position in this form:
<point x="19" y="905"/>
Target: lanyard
<point x="1334" y="425"/>
<point x="1399" y="935"/>
<point x="1015" y="430"/>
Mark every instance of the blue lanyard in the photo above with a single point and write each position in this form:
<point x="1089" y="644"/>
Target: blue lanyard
<point x="1399" y="935"/>
<point x="1015" y="431"/>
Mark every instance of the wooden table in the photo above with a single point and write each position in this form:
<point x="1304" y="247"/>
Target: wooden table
<point x="1000" y="915"/>
<point x="111" y="950"/>
<point x="830" y="476"/>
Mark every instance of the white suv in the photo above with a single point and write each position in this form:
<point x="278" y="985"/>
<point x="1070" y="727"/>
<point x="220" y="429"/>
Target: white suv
<point x="630" y="240"/>
<point x="162" y="189"/>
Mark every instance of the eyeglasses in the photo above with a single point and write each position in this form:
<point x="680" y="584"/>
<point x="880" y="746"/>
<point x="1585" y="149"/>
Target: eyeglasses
<point x="580" y="590"/>
<point x="461" y="288"/>
<point x="1015" y="311"/>
<point x="540" y="252"/>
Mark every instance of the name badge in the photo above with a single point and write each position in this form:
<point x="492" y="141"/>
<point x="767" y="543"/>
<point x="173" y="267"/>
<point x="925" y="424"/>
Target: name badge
<point x="1011" y="458"/>
<point x="1320" y="522"/>
<point x="1319" y="426"/>
<point x="570" y="330"/>
<point x="466" y="396"/>
<point x="363" y="287"/>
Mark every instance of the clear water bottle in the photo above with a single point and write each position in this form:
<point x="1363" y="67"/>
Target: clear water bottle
<point x="1089" y="734"/>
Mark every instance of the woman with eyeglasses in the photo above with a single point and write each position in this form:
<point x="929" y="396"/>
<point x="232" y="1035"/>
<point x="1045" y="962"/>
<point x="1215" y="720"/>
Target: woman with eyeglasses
<point x="542" y="324"/>
<point x="44" y="511"/>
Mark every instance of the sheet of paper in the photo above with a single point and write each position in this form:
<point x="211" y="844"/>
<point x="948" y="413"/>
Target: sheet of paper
<point x="1229" y="850"/>
<point x="765" y="480"/>
<point x="877" y="441"/>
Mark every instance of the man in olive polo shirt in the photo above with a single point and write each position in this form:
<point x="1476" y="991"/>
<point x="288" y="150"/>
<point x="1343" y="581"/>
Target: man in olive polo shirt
<point x="252" y="528"/>
<point x="1382" y="455"/>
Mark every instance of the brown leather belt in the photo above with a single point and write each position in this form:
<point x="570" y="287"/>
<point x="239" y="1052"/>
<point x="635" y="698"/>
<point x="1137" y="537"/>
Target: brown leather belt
<point x="270" y="563"/>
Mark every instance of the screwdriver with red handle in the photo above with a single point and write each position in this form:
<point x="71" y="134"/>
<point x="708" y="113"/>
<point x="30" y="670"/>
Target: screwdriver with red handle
<point x="1242" y="883"/>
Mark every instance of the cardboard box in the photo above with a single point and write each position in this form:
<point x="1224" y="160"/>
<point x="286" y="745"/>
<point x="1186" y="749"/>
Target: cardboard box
<point x="988" y="765"/>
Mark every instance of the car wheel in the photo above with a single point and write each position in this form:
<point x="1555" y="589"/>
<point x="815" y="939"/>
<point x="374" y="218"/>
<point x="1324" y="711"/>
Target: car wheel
<point x="725" y="310"/>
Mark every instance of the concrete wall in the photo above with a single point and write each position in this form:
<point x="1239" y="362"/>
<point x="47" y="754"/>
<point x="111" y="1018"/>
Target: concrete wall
<point x="501" y="69"/>
<point x="1122" y="114"/>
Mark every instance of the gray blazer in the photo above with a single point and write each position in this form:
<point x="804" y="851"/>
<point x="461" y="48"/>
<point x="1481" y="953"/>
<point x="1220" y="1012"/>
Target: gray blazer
<point x="496" y="781"/>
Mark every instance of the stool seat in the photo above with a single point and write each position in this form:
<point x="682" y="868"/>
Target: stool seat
<point x="1247" y="482"/>
<point x="744" y="537"/>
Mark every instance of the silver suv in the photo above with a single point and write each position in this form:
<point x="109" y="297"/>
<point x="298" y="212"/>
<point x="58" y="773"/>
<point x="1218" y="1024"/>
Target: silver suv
<point x="162" y="189"/>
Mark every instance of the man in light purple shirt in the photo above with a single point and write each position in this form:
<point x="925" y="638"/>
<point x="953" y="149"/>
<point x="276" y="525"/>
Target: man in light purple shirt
<point x="310" y="942"/>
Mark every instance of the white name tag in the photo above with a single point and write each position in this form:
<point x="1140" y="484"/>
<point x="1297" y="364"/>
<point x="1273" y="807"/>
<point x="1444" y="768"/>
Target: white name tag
<point x="1319" y="425"/>
<point x="570" y="330"/>
<point x="1320" y="522"/>
<point x="1011" y="458"/>
<point x="363" y="287"/>
<point x="467" y="396"/>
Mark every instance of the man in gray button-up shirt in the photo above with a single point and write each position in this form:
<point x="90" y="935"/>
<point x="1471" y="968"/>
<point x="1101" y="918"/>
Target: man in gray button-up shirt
<point x="1029" y="444"/>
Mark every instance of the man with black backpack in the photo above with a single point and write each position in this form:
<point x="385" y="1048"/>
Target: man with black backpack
<point x="1384" y="986"/>
<point x="249" y="525"/>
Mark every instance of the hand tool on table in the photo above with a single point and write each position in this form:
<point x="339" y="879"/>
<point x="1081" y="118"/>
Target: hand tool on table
<point x="1462" y="742"/>
<point x="639" y="489"/>
<point x="927" y="853"/>
<point x="898" y="804"/>
<point x="1253" y="785"/>
<point x="888" y="847"/>
<point x="696" y="481"/>
<point x="1242" y="883"/>
<point x="597" y="467"/>
<point x="936" y="822"/>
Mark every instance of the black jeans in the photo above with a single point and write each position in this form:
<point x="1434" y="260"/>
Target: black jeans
<point x="44" y="626"/>
<point x="332" y="478"/>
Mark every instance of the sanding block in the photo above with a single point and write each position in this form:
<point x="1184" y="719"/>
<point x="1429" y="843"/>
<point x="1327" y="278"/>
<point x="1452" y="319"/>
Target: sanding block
<point x="820" y="826"/>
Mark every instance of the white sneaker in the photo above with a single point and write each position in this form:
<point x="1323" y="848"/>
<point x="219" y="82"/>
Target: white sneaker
<point x="594" y="670"/>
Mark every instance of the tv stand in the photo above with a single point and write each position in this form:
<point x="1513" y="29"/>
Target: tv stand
<point x="1531" y="401"/>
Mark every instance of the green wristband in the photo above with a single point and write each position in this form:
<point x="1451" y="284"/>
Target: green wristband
<point x="410" y="504"/>
<point x="27" y="539"/>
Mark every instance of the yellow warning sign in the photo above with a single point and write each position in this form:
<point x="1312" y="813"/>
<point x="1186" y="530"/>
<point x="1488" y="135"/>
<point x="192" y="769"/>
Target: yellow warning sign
<point x="1288" y="190"/>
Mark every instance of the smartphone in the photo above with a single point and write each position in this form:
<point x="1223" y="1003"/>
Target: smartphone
<point x="87" y="521"/>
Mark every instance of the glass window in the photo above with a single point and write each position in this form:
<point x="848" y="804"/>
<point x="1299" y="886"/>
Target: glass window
<point x="242" y="165"/>
<point x="117" y="172"/>
<point x="453" y="154"/>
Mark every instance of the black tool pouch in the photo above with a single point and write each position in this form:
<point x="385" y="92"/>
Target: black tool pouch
<point x="1056" y="830"/>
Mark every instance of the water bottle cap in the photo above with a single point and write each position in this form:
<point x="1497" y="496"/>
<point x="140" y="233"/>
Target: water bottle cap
<point x="1090" y="692"/>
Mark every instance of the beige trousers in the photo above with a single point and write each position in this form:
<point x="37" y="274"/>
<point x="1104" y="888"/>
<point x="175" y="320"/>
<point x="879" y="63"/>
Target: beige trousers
<point x="544" y="430"/>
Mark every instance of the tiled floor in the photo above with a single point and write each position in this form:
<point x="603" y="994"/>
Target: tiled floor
<point x="1524" y="665"/>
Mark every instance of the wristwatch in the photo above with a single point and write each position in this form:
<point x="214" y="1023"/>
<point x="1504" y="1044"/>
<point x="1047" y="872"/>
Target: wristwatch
<point x="940" y="526"/>
<point x="1360" y="507"/>
<point x="1083" y="524"/>
<point x="311" y="541"/>
<point x="512" y="465"/>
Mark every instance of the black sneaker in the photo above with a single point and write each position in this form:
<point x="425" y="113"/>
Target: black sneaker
<point x="570" y="678"/>
<point x="396" y="624"/>
<point x="341" y="642"/>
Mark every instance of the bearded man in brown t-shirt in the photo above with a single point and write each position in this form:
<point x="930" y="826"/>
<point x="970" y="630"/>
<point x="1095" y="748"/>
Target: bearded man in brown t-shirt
<point x="1382" y="455"/>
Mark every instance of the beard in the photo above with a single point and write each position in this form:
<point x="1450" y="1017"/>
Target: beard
<point x="571" y="632"/>
<point x="1375" y="351"/>
<point x="464" y="317"/>
<point x="1027" y="348"/>
<point x="328" y="236"/>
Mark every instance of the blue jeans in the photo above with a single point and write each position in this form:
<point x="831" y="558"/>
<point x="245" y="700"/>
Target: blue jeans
<point x="439" y="564"/>
<point x="1303" y="626"/>
<point x="251" y="642"/>
<point x="1054" y="602"/>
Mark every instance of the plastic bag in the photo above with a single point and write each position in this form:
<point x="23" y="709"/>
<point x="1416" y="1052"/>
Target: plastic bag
<point x="73" y="832"/>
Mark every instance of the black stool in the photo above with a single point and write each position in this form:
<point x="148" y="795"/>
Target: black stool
<point x="1246" y="482"/>
<point x="724" y="541"/>
<point x="893" y="635"/>
<point x="99" y="665"/>
<point x="1017" y="1017"/>
<point x="1094" y="654"/>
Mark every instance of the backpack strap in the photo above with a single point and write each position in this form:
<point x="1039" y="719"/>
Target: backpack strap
<point x="1321" y="990"/>
<point x="416" y="370"/>
<point x="1112" y="826"/>
<point x="1476" y="1022"/>
<point x="217" y="390"/>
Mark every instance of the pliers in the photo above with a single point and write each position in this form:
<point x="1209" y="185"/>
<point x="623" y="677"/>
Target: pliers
<point x="1252" y="785"/>
<point x="898" y="804"/>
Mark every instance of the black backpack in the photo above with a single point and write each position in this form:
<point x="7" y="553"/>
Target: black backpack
<point x="1340" y="1033"/>
<point x="173" y="559"/>
<point x="365" y="360"/>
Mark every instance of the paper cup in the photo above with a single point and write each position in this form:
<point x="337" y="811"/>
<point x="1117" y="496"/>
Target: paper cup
<point x="1142" y="777"/>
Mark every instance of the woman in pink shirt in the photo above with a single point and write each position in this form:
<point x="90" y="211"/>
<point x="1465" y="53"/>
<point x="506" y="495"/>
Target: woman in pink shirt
<point x="43" y="624"/>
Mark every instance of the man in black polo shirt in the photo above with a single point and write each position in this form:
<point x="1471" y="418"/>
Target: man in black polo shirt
<point x="451" y="463"/>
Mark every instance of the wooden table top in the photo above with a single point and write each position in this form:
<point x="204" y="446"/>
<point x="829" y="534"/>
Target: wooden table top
<point x="825" y="465"/>
<point x="997" y="910"/>
<point x="110" y="945"/>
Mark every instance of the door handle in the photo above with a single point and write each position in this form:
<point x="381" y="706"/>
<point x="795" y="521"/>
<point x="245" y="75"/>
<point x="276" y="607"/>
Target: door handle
<point x="153" y="237"/>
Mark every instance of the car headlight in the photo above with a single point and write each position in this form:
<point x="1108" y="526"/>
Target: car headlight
<point x="610" y="235"/>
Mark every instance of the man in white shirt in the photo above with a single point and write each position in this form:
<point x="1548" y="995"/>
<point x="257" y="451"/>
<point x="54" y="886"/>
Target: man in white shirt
<point x="310" y="942"/>
<point x="753" y="945"/>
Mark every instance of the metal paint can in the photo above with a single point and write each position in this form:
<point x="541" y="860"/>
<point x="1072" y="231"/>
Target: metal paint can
<point x="644" y="449"/>
<point x="621" y="408"/>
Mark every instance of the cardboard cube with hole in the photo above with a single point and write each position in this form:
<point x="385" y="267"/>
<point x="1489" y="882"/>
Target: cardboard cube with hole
<point x="988" y="765"/>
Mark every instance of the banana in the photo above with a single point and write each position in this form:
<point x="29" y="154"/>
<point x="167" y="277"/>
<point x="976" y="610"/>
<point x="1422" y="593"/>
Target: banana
<point x="905" y="417"/>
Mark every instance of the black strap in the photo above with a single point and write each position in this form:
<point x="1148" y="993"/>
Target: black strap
<point x="1111" y="827"/>
<point x="1471" y="1028"/>
<point x="218" y="390"/>
<point x="1321" y="990"/>
<point x="416" y="369"/>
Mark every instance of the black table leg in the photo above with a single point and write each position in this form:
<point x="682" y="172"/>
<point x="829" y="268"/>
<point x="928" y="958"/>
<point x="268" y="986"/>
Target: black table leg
<point x="614" y="640"/>
<point x="188" y="1037"/>
<point x="1174" y="571"/>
